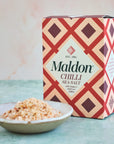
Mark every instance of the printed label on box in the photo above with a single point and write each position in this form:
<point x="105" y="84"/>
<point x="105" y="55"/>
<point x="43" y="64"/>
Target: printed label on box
<point x="72" y="67"/>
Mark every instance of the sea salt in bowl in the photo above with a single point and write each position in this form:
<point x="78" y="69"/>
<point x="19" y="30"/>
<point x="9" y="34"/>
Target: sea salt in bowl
<point x="37" y="126"/>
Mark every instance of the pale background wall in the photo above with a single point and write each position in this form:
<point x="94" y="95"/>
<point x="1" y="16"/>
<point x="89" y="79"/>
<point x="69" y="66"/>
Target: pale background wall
<point x="20" y="31"/>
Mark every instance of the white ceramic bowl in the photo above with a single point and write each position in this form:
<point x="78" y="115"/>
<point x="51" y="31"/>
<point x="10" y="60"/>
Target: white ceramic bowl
<point x="35" y="126"/>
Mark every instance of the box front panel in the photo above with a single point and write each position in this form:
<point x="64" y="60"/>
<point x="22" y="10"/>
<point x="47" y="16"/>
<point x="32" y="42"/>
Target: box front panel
<point x="73" y="63"/>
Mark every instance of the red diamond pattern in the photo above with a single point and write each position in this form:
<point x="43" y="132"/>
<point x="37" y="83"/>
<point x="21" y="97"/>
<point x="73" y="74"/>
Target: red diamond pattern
<point x="88" y="30"/>
<point x="88" y="105"/>
<point x="71" y="50"/>
<point x="54" y="30"/>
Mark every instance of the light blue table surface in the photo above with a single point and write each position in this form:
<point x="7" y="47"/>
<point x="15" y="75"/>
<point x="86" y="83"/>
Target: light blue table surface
<point x="74" y="131"/>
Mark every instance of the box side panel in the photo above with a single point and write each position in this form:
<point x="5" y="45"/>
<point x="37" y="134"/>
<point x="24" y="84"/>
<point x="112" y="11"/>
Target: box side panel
<point x="109" y="66"/>
<point x="88" y="35"/>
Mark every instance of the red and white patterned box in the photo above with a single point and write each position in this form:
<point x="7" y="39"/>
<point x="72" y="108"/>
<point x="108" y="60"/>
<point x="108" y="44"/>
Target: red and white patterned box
<point x="78" y="63"/>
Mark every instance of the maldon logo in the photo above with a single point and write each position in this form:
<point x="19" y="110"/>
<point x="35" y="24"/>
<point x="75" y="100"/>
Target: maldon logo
<point x="71" y="67"/>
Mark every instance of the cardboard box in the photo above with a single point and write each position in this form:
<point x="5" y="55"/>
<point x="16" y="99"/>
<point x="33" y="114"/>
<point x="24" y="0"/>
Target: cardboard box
<point x="78" y="63"/>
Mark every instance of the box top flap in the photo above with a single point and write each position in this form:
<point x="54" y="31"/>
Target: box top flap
<point x="85" y="16"/>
